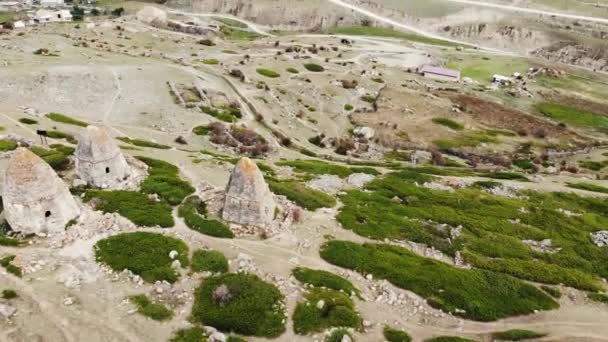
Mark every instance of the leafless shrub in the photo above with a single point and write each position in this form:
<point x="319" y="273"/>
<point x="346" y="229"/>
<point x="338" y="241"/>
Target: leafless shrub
<point x="221" y="295"/>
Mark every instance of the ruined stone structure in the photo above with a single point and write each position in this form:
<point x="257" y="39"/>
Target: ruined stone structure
<point x="99" y="161"/>
<point x="35" y="199"/>
<point x="248" y="198"/>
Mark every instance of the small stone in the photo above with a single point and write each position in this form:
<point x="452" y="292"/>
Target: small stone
<point x="369" y="277"/>
<point x="173" y="254"/>
<point x="67" y="301"/>
<point x="217" y="337"/>
<point x="7" y="311"/>
<point x="346" y="338"/>
<point x="176" y="264"/>
<point x="320" y="304"/>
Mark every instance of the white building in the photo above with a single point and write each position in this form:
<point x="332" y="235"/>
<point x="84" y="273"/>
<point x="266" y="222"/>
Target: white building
<point x="46" y="16"/>
<point x="439" y="73"/>
<point x="18" y="25"/>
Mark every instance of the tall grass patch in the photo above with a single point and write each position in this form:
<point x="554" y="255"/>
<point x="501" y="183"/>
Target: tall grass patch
<point x="302" y="195"/>
<point x="194" y="214"/>
<point x="57" y="117"/>
<point x="135" y="206"/>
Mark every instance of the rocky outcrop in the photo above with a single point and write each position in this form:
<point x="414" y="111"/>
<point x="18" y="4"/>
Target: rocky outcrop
<point x="592" y="57"/>
<point x="248" y="198"/>
<point x="36" y="200"/>
<point x="99" y="161"/>
<point x="152" y="16"/>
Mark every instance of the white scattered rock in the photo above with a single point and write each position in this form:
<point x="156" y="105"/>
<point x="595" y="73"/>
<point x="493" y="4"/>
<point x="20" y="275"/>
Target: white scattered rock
<point x="7" y="311"/>
<point x="364" y="132"/>
<point x="346" y="338"/>
<point x="320" y="304"/>
<point x="67" y="301"/>
<point x="217" y="337"/>
<point x="600" y="238"/>
<point x="176" y="264"/>
<point x="369" y="277"/>
<point x="173" y="254"/>
<point x="359" y="180"/>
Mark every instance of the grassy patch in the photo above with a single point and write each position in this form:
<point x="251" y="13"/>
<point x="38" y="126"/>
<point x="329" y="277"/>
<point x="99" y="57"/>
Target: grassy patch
<point x="231" y="22"/>
<point x="57" y="117"/>
<point x="316" y="167"/>
<point x="9" y="294"/>
<point x="268" y="73"/>
<point x="573" y="116"/>
<point x="593" y="165"/>
<point x="195" y="218"/>
<point x="210" y="61"/>
<point x="201" y="130"/>
<point x="248" y="306"/>
<point x="553" y="291"/>
<point x="348" y="107"/>
<point x="314" y="67"/>
<point x="7" y="145"/>
<point x="62" y="135"/>
<point x="6" y="262"/>
<point x="457" y="126"/>
<point x="386" y="32"/>
<point x="338" y="311"/>
<point x="318" y="278"/>
<point x="194" y="334"/>
<point x="234" y="33"/>
<point x="394" y="335"/>
<point x="598" y="297"/>
<point x="143" y="143"/>
<point x="469" y="139"/>
<point x="516" y="335"/>
<point x="448" y="339"/>
<point x="473" y="294"/>
<point x="143" y="253"/>
<point x="28" y="121"/>
<point x="146" y="307"/>
<point x="589" y="187"/>
<point x="302" y="195"/>
<point x="226" y="114"/>
<point x="482" y="68"/>
<point x="293" y="70"/>
<point x="57" y="157"/>
<point x="135" y="206"/>
<point x="164" y="180"/>
<point x="212" y="261"/>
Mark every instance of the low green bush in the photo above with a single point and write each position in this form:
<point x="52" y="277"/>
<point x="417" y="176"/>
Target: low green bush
<point x="7" y="145"/>
<point x="28" y="121"/>
<point x="348" y="107"/>
<point x="448" y="339"/>
<point x="394" y="335"/>
<point x="314" y="67"/>
<point x="248" y="306"/>
<point x="212" y="261"/>
<point x="226" y="114"/>
<point x="302" y="195"/>
<point x="146" y="307"/>
<point x="196" y="220"/>
<point x="598" y="297"/>
<point x="293" y="70"/>
<point x="66" y="119"/>
<point x="211" y="61"/>
<point x="194" y="334"/>
<point x="588" y="187"/>
<point x="164" y="180"/>
<point x="516" y="335"/>
<point x="201" y="130"/>
<point x="338" y="310"/>
<point x="553" y="291"/>
<point x="6" y="262"/>
<point x="317" y="167"/>
<point x="318" y="278"/>
<point x="9" y="294"/>
<point x="268" y="73"/>
<point x="457" y="126"/>
<point x="135" y="206"/>
<point x="143" y="143"/>
<point x="58" y="160"/>
<point x="525" y="164"/>
<point x="61" y="135"/>
<point x="573" y="116"/>
<point x="338" y="335"/>
<point x="143" y="253"/>
<point x="474" y="294"/>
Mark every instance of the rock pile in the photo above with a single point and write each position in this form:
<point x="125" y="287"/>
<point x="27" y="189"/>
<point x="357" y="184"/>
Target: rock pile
<point x="600" y="238"/>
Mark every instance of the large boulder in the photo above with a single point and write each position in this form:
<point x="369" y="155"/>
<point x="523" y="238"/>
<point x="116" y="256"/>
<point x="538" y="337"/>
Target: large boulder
<point x="152" y="16"/>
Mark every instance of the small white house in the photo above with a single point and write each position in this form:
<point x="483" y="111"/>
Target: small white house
<point x="43" y="16"/>
<point x="439" y="73"/>
<point x="63" y="15"/>
<point x="18" y="25"/>
<point x="500" y="79"/>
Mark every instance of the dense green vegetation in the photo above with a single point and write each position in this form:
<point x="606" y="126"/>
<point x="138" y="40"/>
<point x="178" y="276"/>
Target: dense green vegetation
<point x="248" y="306"/>
<point x="9" y="294"/>
<point x="135" y="206"/>
<point x="293" y="70"/>
<point x="66" y="119"/>
<point x="386" y="32"/>
<point x="483" y="67"/>
<point x="337" y="335"/>
<point x="267" y="73"/>
<point x="348" y="107"/>
<point x="143" y="143"/>
<point x="194" y="212"/>
<point x="234" y="33"/>
<point x="226" y="114"/>
<point x="61" y="135"/>
<point x="573" y="116"/>
<point x="143" y="253"/>
<point x="56" y="157"/>
<point x="516" y="335"/>
<point x="338" y="310"/>
<point x="28" y="121"/>
<point x="593" y="165"/>
<point x="493" y="227"/>
<point x="317" y="167"/>
<point x="210" y="61"/>
<point x="164" y="180"/>
<point x="201" y="130"/>
<point x="553" y="291"/>
<point x="457" y="126"/>
<point x="194" y="334"/>
<point x="231" y="22"/>
<point x="302" y="195"/>
<point x="212" y="261"/>
<point x="6" y="262"/>
<point x="588" y="187"/>
<point x="394" y="335"/>
<point x="319" y="278"/>
<point x="7" y="145"/>
<point x="146" y="307"/>
<point x="313" y="67"/>
<point x="449" y="339"/>
<point x="473" y="294"/>
<point x="598" y="297"/>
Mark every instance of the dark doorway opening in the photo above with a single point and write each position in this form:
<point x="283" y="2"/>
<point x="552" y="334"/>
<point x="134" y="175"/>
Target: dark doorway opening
<point x="47" y="214"/>
<point x="107" y="170"/>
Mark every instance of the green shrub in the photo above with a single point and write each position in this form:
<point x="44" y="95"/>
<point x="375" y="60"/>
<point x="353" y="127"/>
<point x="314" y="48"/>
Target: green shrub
<point x="293" y="70"/>
<point x="197" y="221"/>
<point x="211" y="61"/>
<point x="448" y="339"/>
<point x="338" y="335"/>
<point x="135" y="206"/>
<point x="252" y="306"/>
<point x="9" y="242"/>
<point x="9" y="294"/>
<point x="314" y="67"/>
<point x="143" y="253"/>
<point x="143" y="143"/>
<point x="368" y="99"/>
<point x="155" y="311"/>
<point x="593" y="165"/>
<point x="212" y="261"/>
<point x="516" y="335"/>
<point x="55" y="158"/>
<point x="226" y="114"/>
<point x="598" y="297"/>
<point x="268" y="73"/>
<point x="66" y="119"/>
<point x="573" y="116"/>
<point x="457" y="126"/>
<point x="525" y="164"/>
<point x="6" y="262"/>
<point x="588" y="187"/>
<point x="302" y="195"/>
<point x="553" y="291"/>
<point x="348" y="107"/>
<point x="201" y="130"/>
<point x="194" y="334"/>
<point x="338" y="311"/>
<point x="61" y="135"/>
<point x="7" y="145"/>
<point x="317" y="167"/>
<point x="235" y="339"/>
<point x="164" y="180"/>
<point x="473" y="294"/>
<point x="28" y="121"/>
<point x="394" y="335"/>
<point x="318" y="278"/>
